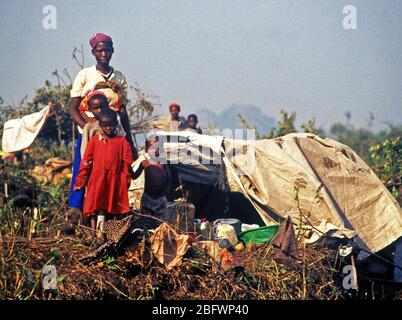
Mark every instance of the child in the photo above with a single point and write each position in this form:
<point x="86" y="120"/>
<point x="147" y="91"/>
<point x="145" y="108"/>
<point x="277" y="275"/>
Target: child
<point x="97" y="102"/>
<point x="157" y="180"/>
<point x="192" y="122"/>
<point x="104" y="170"/>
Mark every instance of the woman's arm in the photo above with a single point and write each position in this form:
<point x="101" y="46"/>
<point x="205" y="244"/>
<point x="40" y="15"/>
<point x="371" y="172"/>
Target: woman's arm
<point x="125" y="122"/>
<point x="74" y="112"/>
<point x="75" y="94"/>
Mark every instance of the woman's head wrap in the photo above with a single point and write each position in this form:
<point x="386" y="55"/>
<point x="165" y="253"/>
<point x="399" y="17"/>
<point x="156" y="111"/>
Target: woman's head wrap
<point x="99" y="37"/>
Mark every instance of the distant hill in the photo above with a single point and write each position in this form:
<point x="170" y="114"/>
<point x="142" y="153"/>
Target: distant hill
<point x="228" y="118"/>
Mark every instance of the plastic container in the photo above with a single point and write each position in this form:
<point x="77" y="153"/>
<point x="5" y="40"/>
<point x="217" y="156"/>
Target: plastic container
<point x="225" y="235"/>
<point x="197" y="225"/>
<point x="260" y="235"/>
<point x="235" y="223"/>
<point x="206" y="230"/>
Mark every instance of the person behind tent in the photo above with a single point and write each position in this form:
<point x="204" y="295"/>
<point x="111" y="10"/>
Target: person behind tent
<point x="171" y="122"/>
<point x="84" y="83"/>
<point x="104" y="170"/>
<point x="177" y="123"/>
<point x="157" y="186"/>
<point x="192" y="121"/>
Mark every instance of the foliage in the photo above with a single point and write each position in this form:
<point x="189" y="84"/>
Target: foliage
<point x="141" y="108"/>
<point x="310" y="127"/>
<point x="58" y="128"/>
<point x="387" y="157"/>
<point x="285" y="125"/>
<point x="244" y="123"/>
<point x="361" y="139"/>
<point x="23" y="194"/>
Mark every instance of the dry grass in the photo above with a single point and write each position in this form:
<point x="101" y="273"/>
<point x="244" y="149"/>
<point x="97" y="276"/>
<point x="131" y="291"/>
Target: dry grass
<point x="30" y="240"/>
<point x="135" y="274"/>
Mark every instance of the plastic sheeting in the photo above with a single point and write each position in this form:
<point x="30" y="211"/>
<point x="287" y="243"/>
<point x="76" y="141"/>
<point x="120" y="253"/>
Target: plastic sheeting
<point x="320" y="183"/>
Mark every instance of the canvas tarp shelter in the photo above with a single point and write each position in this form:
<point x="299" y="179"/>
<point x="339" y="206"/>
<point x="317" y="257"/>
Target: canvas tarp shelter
<point x="320" y="181"/>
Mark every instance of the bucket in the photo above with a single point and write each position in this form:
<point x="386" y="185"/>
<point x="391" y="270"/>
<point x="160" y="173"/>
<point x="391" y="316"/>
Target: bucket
<point x="225" y="235"/>
<point x="235" y="223"/>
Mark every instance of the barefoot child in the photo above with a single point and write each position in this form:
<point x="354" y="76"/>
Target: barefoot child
<point x="104" y="170"/>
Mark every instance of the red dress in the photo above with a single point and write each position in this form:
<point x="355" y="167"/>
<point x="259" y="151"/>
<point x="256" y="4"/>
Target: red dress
<point x="105" y="163"/>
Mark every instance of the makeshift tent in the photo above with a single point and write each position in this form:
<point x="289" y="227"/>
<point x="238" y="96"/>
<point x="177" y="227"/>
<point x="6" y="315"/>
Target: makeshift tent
<point x="319" y="182"/>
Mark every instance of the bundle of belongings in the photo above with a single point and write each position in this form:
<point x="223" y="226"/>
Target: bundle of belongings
<point x="116" y="232"/>
<point x="168" y="246"/>
<point x="54" y="171"/>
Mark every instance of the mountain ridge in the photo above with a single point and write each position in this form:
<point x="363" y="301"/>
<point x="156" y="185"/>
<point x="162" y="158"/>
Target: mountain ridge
<point x="228" y="118"/>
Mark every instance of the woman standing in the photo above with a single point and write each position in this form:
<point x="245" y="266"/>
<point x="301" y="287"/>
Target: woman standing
<point x="84" y="83"/>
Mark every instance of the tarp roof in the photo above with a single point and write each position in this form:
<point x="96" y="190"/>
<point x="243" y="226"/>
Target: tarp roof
<point x="320" y="182"/>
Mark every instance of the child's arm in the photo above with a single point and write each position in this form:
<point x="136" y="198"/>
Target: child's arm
<point x="135" y="174"/>
<point x="127" y="160"/>
<point x="85" y="166"/>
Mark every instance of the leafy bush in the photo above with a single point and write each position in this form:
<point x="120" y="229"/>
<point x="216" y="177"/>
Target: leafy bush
<point x="387" y="157"/>
<point x="58" y="128"/>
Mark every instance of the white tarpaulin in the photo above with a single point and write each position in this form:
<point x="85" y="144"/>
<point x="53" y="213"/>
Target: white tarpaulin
<point x="19" y="134"/>
<point x="317" y="180"/>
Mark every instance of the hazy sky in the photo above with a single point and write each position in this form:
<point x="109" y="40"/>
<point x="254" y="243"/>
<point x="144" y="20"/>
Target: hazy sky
<point x="292" y="55"/>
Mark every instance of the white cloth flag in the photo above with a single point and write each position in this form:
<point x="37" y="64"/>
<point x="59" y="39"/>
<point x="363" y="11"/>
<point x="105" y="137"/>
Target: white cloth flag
<point x="19" y="134"/>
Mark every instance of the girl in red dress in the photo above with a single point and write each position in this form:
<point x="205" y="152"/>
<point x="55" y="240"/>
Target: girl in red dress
<point x="104" y="170"/>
